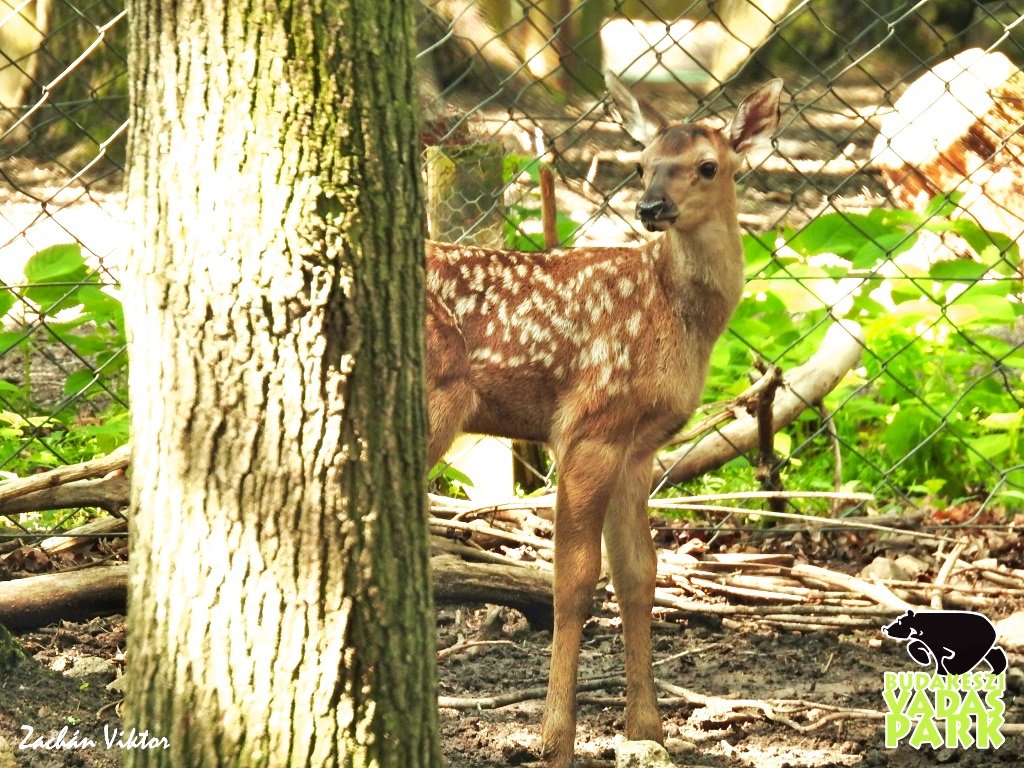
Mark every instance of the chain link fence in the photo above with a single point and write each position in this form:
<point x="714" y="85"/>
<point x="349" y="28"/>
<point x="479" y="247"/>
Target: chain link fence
<point x="892" y="202"/>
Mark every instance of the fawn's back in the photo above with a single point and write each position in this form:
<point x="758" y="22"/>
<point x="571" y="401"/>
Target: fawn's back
<point x="546" y="346"/>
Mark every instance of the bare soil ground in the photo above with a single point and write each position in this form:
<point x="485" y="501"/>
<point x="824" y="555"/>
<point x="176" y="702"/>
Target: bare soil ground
<point x="728" y="659"/>
<point x="830" y="669"/>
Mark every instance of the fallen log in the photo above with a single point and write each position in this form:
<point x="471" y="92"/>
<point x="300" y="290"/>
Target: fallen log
<point x="801" y="387"/>
<point x="36" y="601"/>
<point x="117" y="459"/>
<point x="526" y="589"/>
<point x="40" y="600"/>
<point x="110" y="493"/>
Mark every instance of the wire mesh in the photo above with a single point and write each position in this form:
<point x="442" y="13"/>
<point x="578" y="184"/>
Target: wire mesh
<point x="856" y="216"/>
<point x="63" y="112"/>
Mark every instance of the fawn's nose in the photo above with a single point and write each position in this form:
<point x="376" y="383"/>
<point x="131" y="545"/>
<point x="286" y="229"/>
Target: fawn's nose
<point x="650" y="208"/>
<point x="655" y="213"/>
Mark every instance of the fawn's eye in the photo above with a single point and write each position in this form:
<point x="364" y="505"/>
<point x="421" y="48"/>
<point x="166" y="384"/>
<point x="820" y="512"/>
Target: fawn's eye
<point x="708" y="169"/>
<point x="639" y="170"/>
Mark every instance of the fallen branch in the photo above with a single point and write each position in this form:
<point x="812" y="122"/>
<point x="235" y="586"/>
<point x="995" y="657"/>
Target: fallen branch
<point x="720" y="710"/>
<point x="522" y="587"/>
<point x="19" y="487"/>
<point x="944" y="572"/>
<point x="469" y="647"/>
<point x="802" y="387"/>
<point x="110" y="493"/>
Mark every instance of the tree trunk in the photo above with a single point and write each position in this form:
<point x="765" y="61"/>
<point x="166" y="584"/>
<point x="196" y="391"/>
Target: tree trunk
<point x="279" y="603"/>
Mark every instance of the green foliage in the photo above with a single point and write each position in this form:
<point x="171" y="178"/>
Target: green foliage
<point x="937" y="402"/>
<point x="62" y="313"/>
<point x="446" y="479"/>
<point x="523" y="220"/>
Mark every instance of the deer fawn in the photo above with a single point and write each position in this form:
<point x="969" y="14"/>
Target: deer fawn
<point x="602" y="354"/>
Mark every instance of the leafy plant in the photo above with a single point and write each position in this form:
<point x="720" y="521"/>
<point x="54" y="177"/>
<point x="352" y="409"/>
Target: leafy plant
<point x="936" y="405"/>
<point x="66" y="318"/>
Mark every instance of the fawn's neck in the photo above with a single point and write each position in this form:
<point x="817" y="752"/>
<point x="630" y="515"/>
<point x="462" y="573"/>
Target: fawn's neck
<point x="708" y="258"/>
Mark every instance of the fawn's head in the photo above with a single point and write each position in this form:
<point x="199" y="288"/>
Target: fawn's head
<point x="688" y="169"/>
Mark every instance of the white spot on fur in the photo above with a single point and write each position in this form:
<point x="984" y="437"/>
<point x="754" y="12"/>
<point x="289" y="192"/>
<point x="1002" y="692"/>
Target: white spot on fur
<point x="464" y="305"/>
<point x="633" y="324"/>
<point x="478" y="280"/>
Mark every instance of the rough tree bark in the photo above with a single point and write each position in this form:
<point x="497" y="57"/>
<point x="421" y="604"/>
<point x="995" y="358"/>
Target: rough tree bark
<point x="279" y="606"/>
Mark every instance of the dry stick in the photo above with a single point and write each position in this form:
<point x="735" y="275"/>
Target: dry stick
<point x="916" y="586"/>
<point x="828" y="522"/>
<point x="478" y="553"/>
<point x="746" y="400"/>
<point x="768" y="710"/>
<point x="944" y="572"/>
<point x="444" y="653"/>
<point x="877" y="592"/>
<point x="464" y="508"/>
<point x="834" y="496"/>
<point x="767" y="462"/>
<point x="801" y="386"/>
<point x="437" y="525"/>
<point x="744" y="592"/>
<point x="516" y="697"/>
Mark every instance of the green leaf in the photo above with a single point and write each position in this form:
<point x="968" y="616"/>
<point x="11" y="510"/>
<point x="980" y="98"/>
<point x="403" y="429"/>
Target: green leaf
<point x="7" y="300"/>
<point x="986" y="304"/>
<point x="943" y="206"/>
<point x="1006" y="421"/>
<point x="449" y="473"/>
<point x="78" y="381"/>
<point x="100" y="306"/>
<point x="990" y="446"/>
<point x="58" y="263"/>
<point x="958" y="269"/>
<point x="514" y="165"/>
<point x="10" y="340"/>
<point x="565" y="228"/>
<point x="861" y="239"/>
<point x="758" y="252"/>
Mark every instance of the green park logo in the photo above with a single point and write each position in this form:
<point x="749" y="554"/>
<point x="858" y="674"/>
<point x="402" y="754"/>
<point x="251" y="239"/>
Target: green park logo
<point x="952" y="706"/>
<point x="955" y="711"/>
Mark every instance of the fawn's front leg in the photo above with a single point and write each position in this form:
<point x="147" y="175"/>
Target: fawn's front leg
<point x="588" y="473"/>
<point x="627" y="537"/>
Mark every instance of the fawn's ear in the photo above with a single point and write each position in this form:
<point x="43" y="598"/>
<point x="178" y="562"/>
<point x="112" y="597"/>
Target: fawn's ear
<point x="642" y="123"/>
<point x="756" y="118"/>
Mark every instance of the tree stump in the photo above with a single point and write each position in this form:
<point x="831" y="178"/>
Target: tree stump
<point x="464" y="193"/>
<point x="958" y="129"/>
<point x="465" y="188"/>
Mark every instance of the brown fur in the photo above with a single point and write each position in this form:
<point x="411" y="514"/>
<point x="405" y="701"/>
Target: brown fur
<point x="602" y="353"/>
